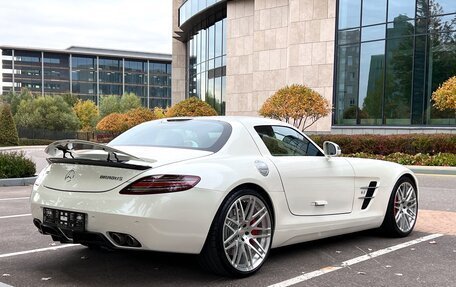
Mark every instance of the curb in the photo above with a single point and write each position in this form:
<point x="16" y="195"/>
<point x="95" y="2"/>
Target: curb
<point x="18" y="181"/>
<point x="29" y="147"/>
<point x="438" y="170"/>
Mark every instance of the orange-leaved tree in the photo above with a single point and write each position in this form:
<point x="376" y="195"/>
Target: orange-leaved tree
<point x="191" y="107"/>
<point x="115" y="123"/>
<point x="139" y="115"/>
<point x="445" y="96"/>
<point x="297" y="105"/>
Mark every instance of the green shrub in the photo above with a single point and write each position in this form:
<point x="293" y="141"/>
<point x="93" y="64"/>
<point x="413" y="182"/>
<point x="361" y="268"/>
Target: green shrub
<point x="70" y="99"/>
<point x="108" y="105"/>
<point x="13" y="165"/>
<point x="8" y="131"/>
<point x="389" y="144"/>
<point x="14" y="99"/>
<point x="440" y="159"/>
<point x="116" y="104"/>
<point x="129" y="101"/>
<point x="46" y="112"/>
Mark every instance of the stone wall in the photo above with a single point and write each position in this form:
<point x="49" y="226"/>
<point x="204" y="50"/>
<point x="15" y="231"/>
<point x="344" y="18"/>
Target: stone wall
<point x="178" y="84"/>
<point x="273" y="43"/>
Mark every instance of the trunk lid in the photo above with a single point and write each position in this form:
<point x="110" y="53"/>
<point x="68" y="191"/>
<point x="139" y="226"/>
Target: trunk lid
<point x="82" y="166"/>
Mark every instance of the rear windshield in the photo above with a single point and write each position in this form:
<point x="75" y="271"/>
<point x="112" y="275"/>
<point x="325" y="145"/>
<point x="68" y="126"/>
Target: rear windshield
<point x="209" y="135"/>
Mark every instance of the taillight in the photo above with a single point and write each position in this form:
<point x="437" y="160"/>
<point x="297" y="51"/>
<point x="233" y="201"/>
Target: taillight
<point x="162" y="183"/>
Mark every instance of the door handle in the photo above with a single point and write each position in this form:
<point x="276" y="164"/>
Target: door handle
<point x="319" y="203"/>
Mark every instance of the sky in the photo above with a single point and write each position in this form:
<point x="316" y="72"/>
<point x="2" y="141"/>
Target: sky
<point x="137" y="25"/>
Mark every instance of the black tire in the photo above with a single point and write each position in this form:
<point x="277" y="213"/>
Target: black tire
<point x="389" y="226"/>
<point x="213" y="257"/>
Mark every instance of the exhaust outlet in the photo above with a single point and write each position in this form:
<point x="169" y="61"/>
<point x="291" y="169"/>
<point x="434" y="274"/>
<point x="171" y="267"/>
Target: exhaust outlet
<point x="132" y="242"/>
<point x="119" y="238"/>
<point x="123" y="239"/>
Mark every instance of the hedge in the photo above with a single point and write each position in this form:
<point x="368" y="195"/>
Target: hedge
<point x="26" y="142"/>
<point x="14" y="164"/>
<point x="440" y="159"/>
<point x="388" y="144"/>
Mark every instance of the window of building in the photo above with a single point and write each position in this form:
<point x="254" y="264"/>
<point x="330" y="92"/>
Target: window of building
<point x="110" y="64"/>
<point x="207" y="62"/>
<point x="393" y="54"/>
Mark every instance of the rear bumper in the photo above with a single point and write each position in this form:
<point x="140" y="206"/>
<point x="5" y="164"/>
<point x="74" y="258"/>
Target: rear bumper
<point x="174" y="222"/>
<point x="85" y="238"/>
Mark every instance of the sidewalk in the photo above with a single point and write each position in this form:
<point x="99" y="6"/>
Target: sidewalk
<point x="442" y="170"/>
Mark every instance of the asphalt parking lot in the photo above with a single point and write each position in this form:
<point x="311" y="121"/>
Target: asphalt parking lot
<point x="426" y="258"/>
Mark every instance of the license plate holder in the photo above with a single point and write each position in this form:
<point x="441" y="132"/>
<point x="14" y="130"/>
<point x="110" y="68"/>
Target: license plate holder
<point x="70" y="220"/>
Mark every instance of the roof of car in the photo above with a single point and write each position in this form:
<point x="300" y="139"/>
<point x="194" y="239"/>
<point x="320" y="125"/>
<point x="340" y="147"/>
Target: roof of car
<point x="251" y="121"/>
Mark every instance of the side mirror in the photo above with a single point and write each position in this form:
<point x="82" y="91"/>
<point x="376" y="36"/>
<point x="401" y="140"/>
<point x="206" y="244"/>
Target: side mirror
<point x="331" y="149"/>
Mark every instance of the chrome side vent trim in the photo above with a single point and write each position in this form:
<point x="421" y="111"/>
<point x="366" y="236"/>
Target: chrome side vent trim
<point x="369" y="194"/>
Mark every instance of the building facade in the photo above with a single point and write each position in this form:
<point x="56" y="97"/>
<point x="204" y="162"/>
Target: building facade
<point x="87" y="73"/>
<point x="376" y="62"/>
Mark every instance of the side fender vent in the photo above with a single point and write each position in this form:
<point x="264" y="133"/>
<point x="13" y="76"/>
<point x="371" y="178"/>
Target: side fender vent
<point x="368" y="194"/>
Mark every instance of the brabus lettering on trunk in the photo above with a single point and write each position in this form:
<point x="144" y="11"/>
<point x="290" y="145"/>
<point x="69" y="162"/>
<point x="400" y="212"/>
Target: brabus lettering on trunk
<point x="119" y="178"/>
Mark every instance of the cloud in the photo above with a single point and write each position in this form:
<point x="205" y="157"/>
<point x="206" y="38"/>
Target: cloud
<point x="141" y="25"/>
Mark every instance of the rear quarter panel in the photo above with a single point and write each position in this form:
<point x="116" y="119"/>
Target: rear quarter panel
<point x="385" y="173"/>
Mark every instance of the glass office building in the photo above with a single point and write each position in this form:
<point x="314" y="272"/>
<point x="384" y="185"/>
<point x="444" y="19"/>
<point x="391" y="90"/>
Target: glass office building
<point x="376" y="61"/>
<point x="391" y="56"/>
<point x="88" y="73"/>
<point x="206" y="52"/>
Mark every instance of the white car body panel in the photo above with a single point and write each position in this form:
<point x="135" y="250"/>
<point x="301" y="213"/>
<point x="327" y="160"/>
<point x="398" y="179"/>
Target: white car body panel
<point x="315" y="185"/>
<point x="180" y="221"/>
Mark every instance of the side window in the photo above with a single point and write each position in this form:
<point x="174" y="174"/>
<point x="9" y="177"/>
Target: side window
<point x="285" y="141"/>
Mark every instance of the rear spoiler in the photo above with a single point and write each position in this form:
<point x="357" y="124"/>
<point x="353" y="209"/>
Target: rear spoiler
<point x="79" y="152"/>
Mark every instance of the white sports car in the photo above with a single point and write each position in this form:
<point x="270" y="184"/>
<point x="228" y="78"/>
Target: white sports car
<point x="227" y="188"/>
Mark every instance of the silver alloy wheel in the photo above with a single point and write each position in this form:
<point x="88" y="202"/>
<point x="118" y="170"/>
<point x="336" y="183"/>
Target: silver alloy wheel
<point x="405" y="207"/>
<point x="247" y="233"/>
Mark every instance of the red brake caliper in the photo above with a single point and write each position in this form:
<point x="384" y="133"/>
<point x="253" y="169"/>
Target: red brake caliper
<point x="394" y="205"/>
<point x="254" y="231"/>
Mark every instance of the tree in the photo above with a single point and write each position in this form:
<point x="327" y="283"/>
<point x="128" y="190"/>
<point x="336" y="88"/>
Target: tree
<point x="191" y="107"/>
<point x="129" y="101"/>
<point x="109" y="104"/>
<point x="46" y="112"/>
<point x="159" y="113"/>
<point x="14" y="99"/>
<point x="139" y="115"/>
<point x="445" y="96"/>
<point x="115" y="123"/>
<point x="114" y="104"/>
<point x="296" y="104"/>
<point x="70" y="99"/>
<point x="87" y="113"/>
<point x="8" y="131"/>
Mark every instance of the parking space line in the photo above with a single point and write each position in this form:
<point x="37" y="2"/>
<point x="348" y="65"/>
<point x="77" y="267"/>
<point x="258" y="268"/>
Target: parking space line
<point x="37" y="250"/>
<point x="325" y="270"/>
<point x="14" y="198"/>
<point x="13" y="216"/>
<point x="4" y="285"/>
